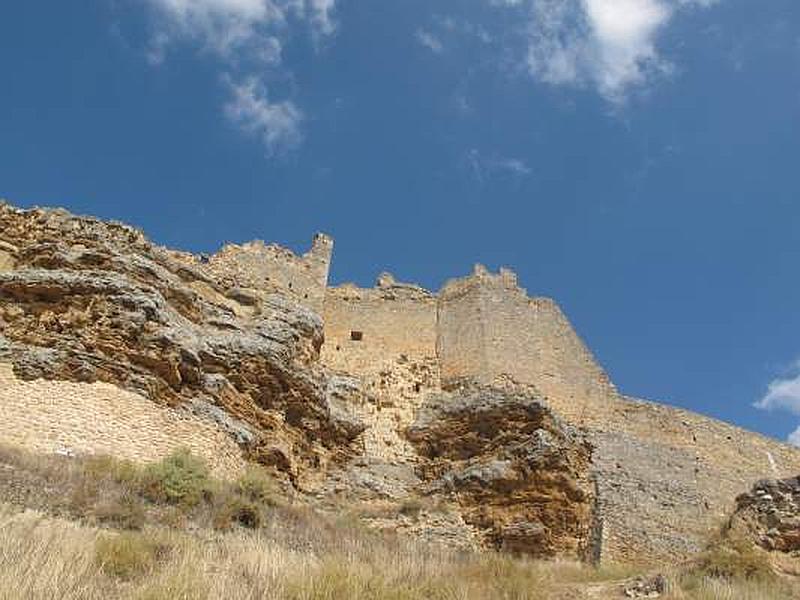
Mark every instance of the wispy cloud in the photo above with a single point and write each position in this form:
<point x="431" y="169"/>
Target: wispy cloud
<point x="247" y="37"/>
<point x="430" y="41"/>
<point x="784" y="394"/>
<point x="610" y="45"/>
<point x="482" y="166"/>
<point x="277" y="124"/>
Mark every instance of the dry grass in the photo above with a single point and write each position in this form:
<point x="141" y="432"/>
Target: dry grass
<point x="51" y="558"/>
<point x="44" y="558"/>
<point x="245" y="543"/>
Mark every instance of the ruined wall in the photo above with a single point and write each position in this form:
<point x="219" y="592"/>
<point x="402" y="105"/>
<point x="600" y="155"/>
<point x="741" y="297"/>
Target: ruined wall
<point x="261" y="266"/>
<point x="394" y="353"/>
<point x="100" y="418"/>
<point x="461" y="331"/>
<point x="666" y="477"/>
<point x="490" y="329"/>
<point x="366" y="327"/>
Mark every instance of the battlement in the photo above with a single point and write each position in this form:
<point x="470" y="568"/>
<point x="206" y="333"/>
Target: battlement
<point x="506" y="279"/>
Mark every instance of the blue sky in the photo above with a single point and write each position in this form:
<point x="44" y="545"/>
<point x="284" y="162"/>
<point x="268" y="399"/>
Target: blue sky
<point x="637" y="160"/>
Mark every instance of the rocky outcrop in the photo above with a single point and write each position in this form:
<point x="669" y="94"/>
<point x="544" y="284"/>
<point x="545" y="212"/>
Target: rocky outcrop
<point x="85" y="300"/>
<point x="769" y="514"/>
<point x="519" y="475"/>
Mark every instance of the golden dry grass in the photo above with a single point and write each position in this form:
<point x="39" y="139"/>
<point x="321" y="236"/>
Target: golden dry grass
<point x="43" y="558"/>
<point x="290" y="553"/>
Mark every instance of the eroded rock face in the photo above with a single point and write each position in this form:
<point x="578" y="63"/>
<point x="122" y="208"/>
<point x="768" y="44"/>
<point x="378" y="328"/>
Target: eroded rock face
<point x="770" y="514"/>
<point x="519" y="474"/>
<point x="85" y="300"/>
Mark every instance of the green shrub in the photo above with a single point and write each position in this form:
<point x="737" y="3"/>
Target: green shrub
<point x="411" y="507"/>
<point x="127" y="555"/>
<point x="180" y="478"/>
<point x="102" y="467"/>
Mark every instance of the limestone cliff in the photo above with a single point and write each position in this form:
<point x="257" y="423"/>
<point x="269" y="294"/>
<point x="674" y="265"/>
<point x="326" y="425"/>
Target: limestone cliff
<point x="518" y="473"/>
<point x="83" y="300"/>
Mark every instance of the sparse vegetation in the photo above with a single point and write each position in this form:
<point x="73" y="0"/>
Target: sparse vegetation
<point x="180" y="478"/>
<point x="248" y="542"/>
<point x="175" y="492"/>
<point x="127" y="555"/>
<point x="733" y="558"/>
<point x="256" y="485"/>
<point x="411" y="507"/>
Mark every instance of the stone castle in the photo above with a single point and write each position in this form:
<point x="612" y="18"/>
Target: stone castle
<point x="482" y="327"/>
<point x="680" y="470"/>
<point x="478" y="395"/>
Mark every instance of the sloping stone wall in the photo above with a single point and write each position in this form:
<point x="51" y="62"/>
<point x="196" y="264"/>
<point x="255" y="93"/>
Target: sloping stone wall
<point x="260" y="266"/>
<point x="667" y="477"/>
<point x="100" y="418"/>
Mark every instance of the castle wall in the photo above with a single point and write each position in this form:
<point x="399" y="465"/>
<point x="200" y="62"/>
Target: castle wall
<point x="490" y="329"/>
<point x="391" y="320"/>
<point x="261" y="266"/>
<point x="100" y="418"/>
<point x="395" y="356"/>
<point x="667" y="477"/>
<point x="460" y="331"/>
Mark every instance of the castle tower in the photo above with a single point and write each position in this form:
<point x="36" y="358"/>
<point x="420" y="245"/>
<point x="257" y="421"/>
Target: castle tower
<point x="490" y="330"/>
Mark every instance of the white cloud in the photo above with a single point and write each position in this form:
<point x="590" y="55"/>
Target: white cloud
<point x="248" y="36"/>
<point x="321" y="12"/>
<point x="277" y="124"/>
<point x="609" y="44"/>
<point x="483" y="166"/>
<point x="515" y="166"/>
<point x="794" y="438"/>
<point x="430" y="41"/>
<point x="226" y="27"/>
<point x="784" y="394"/>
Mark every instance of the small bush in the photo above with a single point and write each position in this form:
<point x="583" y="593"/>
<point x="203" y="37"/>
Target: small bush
<point x="83" y="496"/>
<point x="734" y="559"/>
<point x="411" y="507"/>
<point x="236" y="511"/>
<point x="180" y="478"/>
<point x="257" y="486"/>
<point x="102" y="467"/>
<point x="124" y="511"/>
<point x="127" y="555"/>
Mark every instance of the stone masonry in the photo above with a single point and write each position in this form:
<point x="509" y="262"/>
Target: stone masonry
<point x="66" y="417"/>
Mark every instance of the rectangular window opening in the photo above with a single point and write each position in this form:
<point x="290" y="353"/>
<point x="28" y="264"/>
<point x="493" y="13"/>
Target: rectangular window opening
<point x="356" y="336"/>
